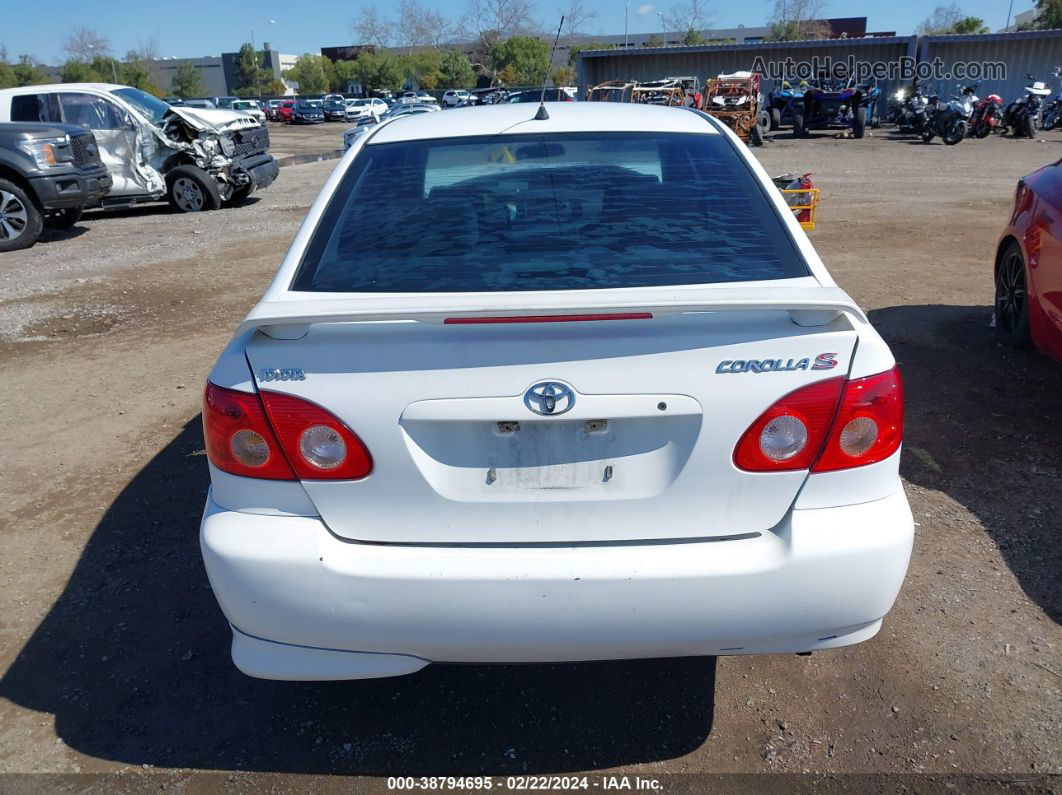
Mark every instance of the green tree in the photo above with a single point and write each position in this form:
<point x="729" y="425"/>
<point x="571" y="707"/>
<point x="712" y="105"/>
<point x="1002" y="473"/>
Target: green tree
<point x="693" y="38"/>
<point x="654" y="41"/>
<point x="250" y="76"/>
<point x="525" y="57"/>
<point x="187" y="82"/>
<point x="564" y="76"/>
<point x="78" y="72"/>
<point x="377" y="72"/>
<point x="456" y="71"/>
<point x="970" y="25"/>
<point x="7" y="75"/>
<point x="1050" y="17"/>
<point x="309" y="73"/>
<point x="27" y="73"/>
<point x="509" y="76"/>
<point x="275" y="88"/>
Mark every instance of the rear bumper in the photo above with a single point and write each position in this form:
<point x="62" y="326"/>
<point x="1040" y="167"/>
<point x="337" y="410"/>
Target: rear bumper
<point x="305" y="605"/>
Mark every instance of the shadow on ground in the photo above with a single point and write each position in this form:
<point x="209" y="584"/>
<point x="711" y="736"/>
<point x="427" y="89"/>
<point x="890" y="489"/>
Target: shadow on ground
<point x="133" y="662"/>
<point x="983" y="425"/>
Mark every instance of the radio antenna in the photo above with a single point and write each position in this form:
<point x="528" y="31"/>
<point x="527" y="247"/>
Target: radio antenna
<point x="542" y="114"/>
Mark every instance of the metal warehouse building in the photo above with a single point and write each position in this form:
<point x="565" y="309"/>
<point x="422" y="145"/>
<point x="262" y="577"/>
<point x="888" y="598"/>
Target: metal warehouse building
<point x="1037" y="52"/>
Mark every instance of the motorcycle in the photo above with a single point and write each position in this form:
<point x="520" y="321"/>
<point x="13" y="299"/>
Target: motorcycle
<point x="912" y="116"/>
<point x="1022" y="115"/>
<point x="949" y="120"/>
<point x="1051" y="117"/>
<point x="987" y="116"/>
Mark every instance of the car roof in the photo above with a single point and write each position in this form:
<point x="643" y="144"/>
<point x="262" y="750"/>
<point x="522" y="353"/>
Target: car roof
<point x="564" y="117"/>
<point x="52" y="87"/>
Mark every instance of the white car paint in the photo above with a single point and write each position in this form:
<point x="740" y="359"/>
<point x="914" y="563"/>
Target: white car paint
<point x="679" y="552"/>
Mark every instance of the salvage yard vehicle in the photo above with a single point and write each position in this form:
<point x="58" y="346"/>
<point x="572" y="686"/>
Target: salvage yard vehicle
<point x="612" y="91"/>
<point x="660" y="92"/>
<point x="831" y="104"/>
<point x="195" y="158"/>
<point x="48" y="174"/>
<point x="334" y="107"/>
<point x="735" y="100"/>
<point x="542" y="387"/>
<point x="250" y="107"/>
<point x="1021" y="117"/>
<point x="1028" y="265"/>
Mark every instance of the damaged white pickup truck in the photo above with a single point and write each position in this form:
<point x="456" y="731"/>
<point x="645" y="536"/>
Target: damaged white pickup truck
<point x="196" y="159"/>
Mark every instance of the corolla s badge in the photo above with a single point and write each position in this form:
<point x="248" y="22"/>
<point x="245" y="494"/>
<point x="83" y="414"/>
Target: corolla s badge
<point x="549" y="398"/>
<point x="824" y="361"/>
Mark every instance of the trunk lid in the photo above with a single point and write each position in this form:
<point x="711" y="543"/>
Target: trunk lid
<point x="641" y="448"/>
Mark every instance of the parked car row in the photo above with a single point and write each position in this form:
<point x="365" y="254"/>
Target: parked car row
<point x="65" y="147"/>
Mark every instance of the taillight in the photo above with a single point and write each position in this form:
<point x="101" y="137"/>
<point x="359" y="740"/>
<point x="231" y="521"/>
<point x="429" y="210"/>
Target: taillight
<point x="318" y="444"/>
<point x="790" y="433"/>
<point x="238" y="437"/>
<point x="869" y="423"/>
<point x="279" y="437"/>
<point x="826" y="426"/>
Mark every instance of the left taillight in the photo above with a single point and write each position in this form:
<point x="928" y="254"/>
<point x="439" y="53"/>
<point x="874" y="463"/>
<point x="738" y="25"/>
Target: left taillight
<point x="279" y="437"/>
<point x="238" y="437"/>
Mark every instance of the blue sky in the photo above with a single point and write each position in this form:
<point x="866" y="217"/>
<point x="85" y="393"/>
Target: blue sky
<point x="209" y="28"/>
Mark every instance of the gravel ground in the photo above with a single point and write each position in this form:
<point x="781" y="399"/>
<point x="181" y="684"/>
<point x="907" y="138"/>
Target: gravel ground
<point x="115" y="654"/>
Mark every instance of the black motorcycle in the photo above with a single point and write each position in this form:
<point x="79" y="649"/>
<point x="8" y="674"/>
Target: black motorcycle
<point x="912" y="114"/>
<point x="1022" y="116"/>
<point x="1051" y="116"/>
<point x="948" y="119"/>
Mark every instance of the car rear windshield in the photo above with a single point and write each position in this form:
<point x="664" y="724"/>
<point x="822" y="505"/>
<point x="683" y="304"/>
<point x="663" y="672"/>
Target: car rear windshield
<point x="556" y="212"/>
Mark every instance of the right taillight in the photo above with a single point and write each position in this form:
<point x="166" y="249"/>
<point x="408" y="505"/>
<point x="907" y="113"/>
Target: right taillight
<point x="825" y="426"/>
<point x="869" y="423"/>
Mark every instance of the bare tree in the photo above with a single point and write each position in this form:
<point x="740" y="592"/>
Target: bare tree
<point x="942" y="20"/>
<point x="490" y="21"/>
<point x="695" y="15"/>
<point x="84" y="43"/>
<point x="419" y="26"/>
<point x="145" y="50"/>
<point x="577" y="17"/>
<point x="372" y="28"/>
<point x="794" y="20"/>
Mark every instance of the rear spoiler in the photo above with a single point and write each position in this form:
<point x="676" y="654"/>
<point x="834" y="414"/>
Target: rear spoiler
<point x="291" y="319"/>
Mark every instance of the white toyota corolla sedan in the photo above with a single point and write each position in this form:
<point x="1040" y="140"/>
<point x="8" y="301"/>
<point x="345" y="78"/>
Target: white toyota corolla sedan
<point x="540" y="390"/>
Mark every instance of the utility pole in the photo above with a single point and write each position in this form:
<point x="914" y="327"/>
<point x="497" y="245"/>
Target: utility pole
<point x="626" y="8"/>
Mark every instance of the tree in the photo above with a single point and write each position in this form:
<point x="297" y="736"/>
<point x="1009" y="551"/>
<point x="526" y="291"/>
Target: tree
<point x="692" y="15"/>
<point x="372" y="28"/>
<point x="527" y="56"/>
<point x="27" y="73"/>
<point x="7" y="73"/>
<point x="1050" y="16"/>
<point x="456" y="71"/>
<point x="564" y="76"/>
<point x="84" y="43"/>
<point x="187" y="82"/>
<point x="950" y="19"/>
<point x="377" y="72"/>
<point x="309" y="73"/>
<point x="508" y="76"/>
<point x="693" y="38"/>
<point x="249" y="72"/>
<point x="489" y="22"/>
<point x="275" y="88"/>
<point x="576" y="18"/>
<point x="419" y="26"/>
<point x="798" y="20"/>
<point x="654" y="41"/>
<point x="77" y="72"/>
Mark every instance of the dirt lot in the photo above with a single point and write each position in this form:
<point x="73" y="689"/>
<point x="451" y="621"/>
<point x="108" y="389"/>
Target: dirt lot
<point x="115" y="653"/>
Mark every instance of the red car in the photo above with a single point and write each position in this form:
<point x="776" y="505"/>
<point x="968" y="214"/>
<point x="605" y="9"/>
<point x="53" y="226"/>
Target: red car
<point x="1029" y="265"/>
<point x="284" y="110"/>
